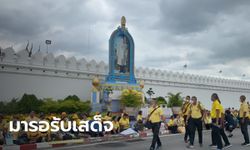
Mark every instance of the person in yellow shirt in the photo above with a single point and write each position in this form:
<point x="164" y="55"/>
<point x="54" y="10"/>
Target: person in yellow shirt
<point x="184" y="109"/>
<point x="244" y="112"/>
<point x="207" y="120"/>
<point x="196" y="113"/>
<point x="155" y="117"/>
<point x="3" y="129"/>
<point x="116" y="125"/>
<point x="124" y="122"/>
<point x="217" y="121"/>
<point x="108" y="117"/>
<point x="139" y="126"/>
<point x="139" y="117"/>
<point x="172" y="125"/>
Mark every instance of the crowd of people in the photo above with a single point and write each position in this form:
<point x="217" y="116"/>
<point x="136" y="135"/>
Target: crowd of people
<point x="193" y="116"/>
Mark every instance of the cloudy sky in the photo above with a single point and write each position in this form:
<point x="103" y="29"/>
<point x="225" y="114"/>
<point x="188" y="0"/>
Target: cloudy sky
<point x="208" y="35"/>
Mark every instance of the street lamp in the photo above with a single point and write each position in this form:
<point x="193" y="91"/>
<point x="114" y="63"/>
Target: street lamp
<point x="48" y="42"/>
<point x="220" y="72"/>
<point x="2" y="54"/>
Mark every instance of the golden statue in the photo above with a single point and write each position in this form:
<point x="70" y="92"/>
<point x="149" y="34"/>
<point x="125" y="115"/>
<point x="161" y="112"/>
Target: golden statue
<point x="123" y="22"/>
<point x="96" y="84"/>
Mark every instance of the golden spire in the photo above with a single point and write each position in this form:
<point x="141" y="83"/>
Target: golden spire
<point x="123" y="22"/>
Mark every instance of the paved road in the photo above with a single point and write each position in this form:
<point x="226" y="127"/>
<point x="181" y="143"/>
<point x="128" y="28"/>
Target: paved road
<point x="170" y="142"/>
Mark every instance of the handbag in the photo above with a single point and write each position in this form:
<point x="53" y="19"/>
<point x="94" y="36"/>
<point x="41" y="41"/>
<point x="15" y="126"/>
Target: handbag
<point x="148" y="123"/>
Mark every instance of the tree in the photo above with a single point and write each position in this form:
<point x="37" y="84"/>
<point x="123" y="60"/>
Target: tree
<point x="72" y="97"/>
<point x="174" y="100"/>
<point x="150" y="92"/>
<point x="161" y="100"/>
<point x="29" y="103"/>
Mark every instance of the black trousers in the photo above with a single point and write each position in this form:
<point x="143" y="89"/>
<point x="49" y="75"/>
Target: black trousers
<point x="208" y="126"/>
<point x="156" y="138"/>
<point x="244" y="130"/>
<point x="195" y="124"/>
<point x="173" y="129"/>
<point x="187" y="129"/>
<point x="216" y="134"/>
<point x="223" y="135"/>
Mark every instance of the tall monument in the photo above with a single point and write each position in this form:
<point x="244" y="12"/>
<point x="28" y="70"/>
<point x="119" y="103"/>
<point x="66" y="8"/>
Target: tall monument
<point x="121" y="71"/>
<point x="121" y="56"/>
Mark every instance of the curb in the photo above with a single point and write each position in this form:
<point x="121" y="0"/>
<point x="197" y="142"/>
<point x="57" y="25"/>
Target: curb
<point x="56" y="144"/>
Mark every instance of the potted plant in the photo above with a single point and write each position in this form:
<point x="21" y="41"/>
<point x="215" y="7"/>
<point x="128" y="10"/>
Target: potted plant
<point x="175" y="102"/>
<point x="131" y="100"/>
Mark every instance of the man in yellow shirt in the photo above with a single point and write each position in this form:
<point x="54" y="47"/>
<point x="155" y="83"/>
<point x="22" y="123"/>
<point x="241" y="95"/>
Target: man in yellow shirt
<point x="124" y="122"/>
<point x="155" y="117"/>
<point x="244" y="113"/>
<point x="196" y="112"/>
<point x="184" y="109"/>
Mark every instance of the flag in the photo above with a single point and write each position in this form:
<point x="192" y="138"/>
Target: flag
<point x="185" y="66"/>
<point x="48" y="42"/>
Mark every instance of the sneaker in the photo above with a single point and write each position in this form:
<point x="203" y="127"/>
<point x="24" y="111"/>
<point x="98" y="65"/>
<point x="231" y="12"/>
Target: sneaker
<point x="190" y="147"/>
<point x="213" y="146"/>
<point x="227" y="146"/>
<point x="151" y="148"/>
<point x="245" y="144"/>
<point x="230" y="135"/>
<point x="158" y="148"/>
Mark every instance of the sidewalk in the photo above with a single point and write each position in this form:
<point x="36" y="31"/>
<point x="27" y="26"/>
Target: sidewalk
<point x="53" y="144"/>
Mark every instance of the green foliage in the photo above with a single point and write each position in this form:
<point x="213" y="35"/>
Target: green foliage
<point x="49" y="106"/>
<point x="131" y="98"/>
<point x="29" y="103"/>
<point x="174" y="100"/>
<point x="161" y="100"/>
<point x="72" y="97"/>
<point x="9" y="107"/>
<point x="72" y="106"/>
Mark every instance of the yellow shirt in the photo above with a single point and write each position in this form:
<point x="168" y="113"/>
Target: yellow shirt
<point x="207" y="120"/>
<point x="171" y="122"/>
<point x="243" y="109"/>
<point x="139" y="117"/>
<point x="196" y="110"/>
<point x="185" y="108"/>
<point x="180" y="122"/>
<point x="124" y="123"/>
<point x="156" y="116"/>
<point x="116" y="124"/>
<point x="107" y="118"/>
<point x="216" y="106"/>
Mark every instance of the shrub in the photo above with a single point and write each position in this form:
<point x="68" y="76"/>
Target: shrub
<point x="174" y="100"/>
<point x="161" y="100"/>
<point x="131" y="98"/>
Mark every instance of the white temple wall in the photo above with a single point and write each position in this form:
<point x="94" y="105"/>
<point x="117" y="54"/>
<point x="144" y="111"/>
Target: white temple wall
<point x="57" y="77"/>
<point x="228" y="99"/>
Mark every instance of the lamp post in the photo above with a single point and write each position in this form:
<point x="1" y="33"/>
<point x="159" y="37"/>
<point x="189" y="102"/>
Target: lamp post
<point x="185" y="68"/>
<point x="243" y="76"/>
<point x="220" y="73"/>
<point x="2" y="54"/>
<point x="48" y="42"/>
